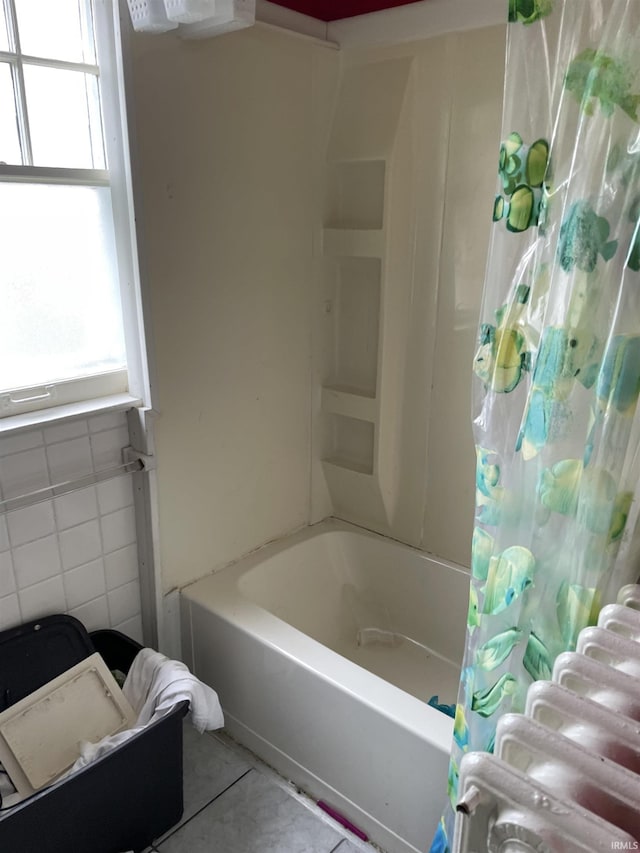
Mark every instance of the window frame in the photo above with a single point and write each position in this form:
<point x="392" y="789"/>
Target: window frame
<point x="21" y="408"/>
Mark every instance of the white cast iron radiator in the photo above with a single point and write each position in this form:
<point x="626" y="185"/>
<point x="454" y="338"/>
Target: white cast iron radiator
<point x="565" y="775"/>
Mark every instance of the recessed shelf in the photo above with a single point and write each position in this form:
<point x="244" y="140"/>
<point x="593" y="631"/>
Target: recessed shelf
<point x="339" y="402"/>
<point x="353" y="242"/>
<point x="356" y="321"/>
<point x="351" y="443"/>
<point x="355" y="197"/>
<point x="349" y="465"/>
<point x="350" y="390"/>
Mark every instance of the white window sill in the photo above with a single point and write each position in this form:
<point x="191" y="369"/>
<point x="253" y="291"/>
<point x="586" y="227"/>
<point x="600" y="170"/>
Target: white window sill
<point x="69" y="411"/>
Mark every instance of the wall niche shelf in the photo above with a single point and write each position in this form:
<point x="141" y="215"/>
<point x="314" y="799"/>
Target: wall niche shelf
<point x="357" y="397"/>
<point x="346" y="468"/>
<point x="349" y="391"/>
<point x="355" y="197"/>
<point x="353" y="242"/>
<point x="355" y="326"/>
<point x="351" y="443"/>
<point x="337" y="401"/>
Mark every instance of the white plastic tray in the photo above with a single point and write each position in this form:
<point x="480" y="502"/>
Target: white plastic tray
<point x="40" y="736"/>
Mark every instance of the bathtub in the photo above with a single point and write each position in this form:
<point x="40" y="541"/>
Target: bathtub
<point x="324" y="648"/>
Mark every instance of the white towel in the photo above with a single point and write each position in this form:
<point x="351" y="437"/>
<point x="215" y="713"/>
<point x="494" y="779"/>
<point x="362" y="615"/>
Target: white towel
<point x="154" y="685"/>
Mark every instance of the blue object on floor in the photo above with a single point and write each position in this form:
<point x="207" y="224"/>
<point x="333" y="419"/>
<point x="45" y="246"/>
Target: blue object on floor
<point x="449" y="710"/>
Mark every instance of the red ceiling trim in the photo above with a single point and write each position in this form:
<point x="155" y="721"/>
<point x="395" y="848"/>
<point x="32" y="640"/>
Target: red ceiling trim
<point x="333" y="10"/>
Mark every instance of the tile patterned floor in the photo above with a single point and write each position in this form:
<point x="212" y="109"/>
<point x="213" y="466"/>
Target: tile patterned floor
<point x="235" y="804"/>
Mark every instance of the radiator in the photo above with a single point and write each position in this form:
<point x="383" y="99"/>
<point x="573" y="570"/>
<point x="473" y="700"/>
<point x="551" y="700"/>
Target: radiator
<point x="565" y="775"/>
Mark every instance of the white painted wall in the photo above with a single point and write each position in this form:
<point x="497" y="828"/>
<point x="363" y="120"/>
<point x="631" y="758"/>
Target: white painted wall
<point x="227" y="152"/>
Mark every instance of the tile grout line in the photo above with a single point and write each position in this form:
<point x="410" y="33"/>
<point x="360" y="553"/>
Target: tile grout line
<point x="206" y="805"/>
<point x="291" y="789"/>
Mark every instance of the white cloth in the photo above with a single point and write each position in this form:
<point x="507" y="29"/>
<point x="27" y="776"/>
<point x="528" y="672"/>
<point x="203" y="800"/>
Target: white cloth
<point x="154" y="685"/>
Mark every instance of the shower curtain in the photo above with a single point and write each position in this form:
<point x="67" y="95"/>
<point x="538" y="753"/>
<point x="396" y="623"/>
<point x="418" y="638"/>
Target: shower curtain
<point x="557" y="368"/>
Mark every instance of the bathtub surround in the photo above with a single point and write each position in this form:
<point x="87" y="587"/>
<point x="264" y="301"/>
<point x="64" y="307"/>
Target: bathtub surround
<point x="77" y="552"/>
<point x="313" y="358"/>
<point x="402" y="258"/>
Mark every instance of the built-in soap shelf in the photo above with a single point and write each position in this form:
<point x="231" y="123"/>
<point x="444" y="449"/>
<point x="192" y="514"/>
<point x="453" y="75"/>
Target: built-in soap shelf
<point x="354" y="239"/>
<point x="354" y="326"/>
<point x="365" y="246"/>
<point x="355" y="197"/>
<point x="340" y="401"/>
<point x="352" y="242"/>
<point x="350" y="443"/>
<point x="354" y="215"/>
<point x="346" y="469"/>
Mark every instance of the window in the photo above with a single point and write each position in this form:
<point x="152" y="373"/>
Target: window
<point x="69" y="326"/>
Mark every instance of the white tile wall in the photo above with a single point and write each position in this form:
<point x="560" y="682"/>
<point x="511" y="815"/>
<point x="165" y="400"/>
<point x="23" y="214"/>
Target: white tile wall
<point x="36" y="561"/>
<point x="121" y="566"/>
<point x="7" y="577"/>
<point x="76" y="507"/>
<point x="23" y="472"/>
<point x="75" y="553"/>
<point x="84" y="584"/>
<point x="69" y="460"/>
<point x="119" y="529"/>
<point x="21" y="441"/>
<point x="31" y="523"/>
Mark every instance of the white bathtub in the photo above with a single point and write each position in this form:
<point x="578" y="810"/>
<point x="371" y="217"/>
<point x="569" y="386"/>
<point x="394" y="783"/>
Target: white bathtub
<point x="276" y="635"/>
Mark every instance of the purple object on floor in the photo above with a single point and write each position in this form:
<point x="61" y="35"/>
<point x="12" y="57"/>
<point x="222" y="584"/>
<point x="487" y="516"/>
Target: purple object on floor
<point x="342" y="820"/>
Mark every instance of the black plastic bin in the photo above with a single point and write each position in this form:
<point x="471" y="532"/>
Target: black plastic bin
<point x="124" y="800"/>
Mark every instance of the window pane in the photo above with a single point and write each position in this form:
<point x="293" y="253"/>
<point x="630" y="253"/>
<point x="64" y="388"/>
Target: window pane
<point x="61" y="316"/>
<point x="64" y="118"/>
<point x="9" y="140"/>
<point x="55" y="29"/>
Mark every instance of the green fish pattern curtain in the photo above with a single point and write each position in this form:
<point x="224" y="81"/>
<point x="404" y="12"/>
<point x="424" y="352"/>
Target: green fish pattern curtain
<point x="557" y="368"/>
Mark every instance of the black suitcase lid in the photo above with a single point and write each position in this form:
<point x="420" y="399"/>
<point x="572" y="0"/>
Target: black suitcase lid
<point x="36" y="652"/>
